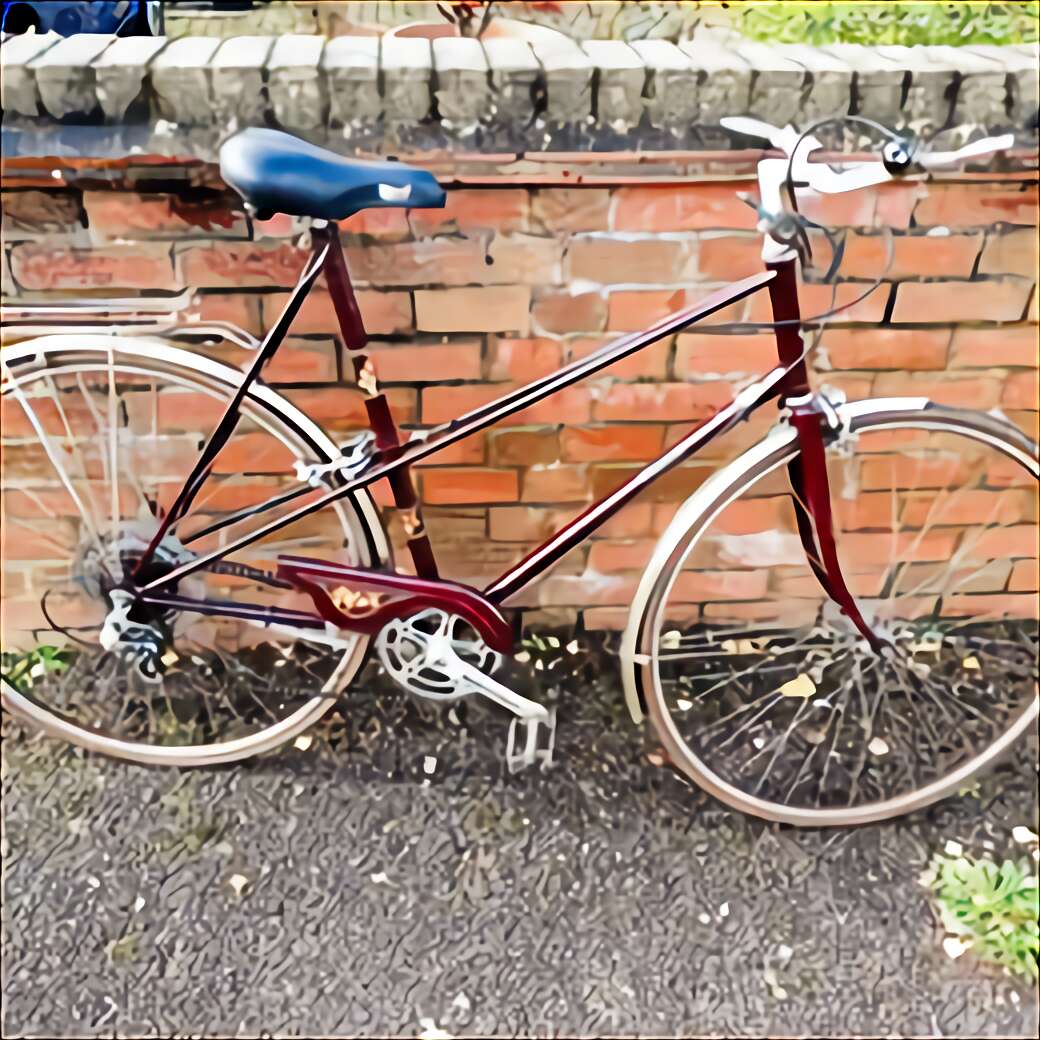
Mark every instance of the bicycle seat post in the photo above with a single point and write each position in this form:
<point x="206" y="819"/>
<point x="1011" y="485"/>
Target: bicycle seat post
<point x="380" y="418"/>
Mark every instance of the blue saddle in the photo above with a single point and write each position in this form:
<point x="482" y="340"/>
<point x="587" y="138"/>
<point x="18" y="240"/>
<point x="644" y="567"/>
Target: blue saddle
<point x="279" y="173"/>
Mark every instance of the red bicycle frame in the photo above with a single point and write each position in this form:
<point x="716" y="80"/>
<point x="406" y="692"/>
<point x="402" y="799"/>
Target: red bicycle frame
<point x="392" y="459"/>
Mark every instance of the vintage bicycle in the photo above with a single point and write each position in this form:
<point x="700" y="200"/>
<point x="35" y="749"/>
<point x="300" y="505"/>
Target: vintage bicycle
<point x="838" y="626"/>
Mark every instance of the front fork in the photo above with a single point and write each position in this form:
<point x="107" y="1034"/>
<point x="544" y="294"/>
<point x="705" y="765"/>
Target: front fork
<point x="808" y="470"/>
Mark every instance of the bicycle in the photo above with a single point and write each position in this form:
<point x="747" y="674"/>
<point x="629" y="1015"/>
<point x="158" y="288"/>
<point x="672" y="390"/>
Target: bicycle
<point x="791" y="682"/>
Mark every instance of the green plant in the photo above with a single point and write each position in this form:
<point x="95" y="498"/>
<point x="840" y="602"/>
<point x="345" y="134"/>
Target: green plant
<point x="890" y="23"/>
<point x="22" y="670"/>
<point x="992" y="909"/>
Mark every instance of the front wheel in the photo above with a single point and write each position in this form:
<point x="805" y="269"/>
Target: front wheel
<point x="764" y="693"/>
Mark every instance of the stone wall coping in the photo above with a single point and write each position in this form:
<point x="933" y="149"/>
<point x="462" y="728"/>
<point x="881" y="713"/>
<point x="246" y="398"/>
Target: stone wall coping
<point x="509" y="93"/>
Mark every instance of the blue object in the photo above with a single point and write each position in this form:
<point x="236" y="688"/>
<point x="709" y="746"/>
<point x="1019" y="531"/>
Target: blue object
<point x="69" y="17"/>
<point x="279" y="173"/>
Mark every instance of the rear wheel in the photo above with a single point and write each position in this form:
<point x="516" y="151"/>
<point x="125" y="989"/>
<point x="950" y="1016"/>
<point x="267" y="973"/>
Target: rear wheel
<point x="759" y="688"/>
<point x="98" y="435"/>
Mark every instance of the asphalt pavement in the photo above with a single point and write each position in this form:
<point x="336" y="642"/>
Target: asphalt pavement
<point x="393" y="879"/>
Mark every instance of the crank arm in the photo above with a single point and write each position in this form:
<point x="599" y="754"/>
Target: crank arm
<point x="524" y="709"/>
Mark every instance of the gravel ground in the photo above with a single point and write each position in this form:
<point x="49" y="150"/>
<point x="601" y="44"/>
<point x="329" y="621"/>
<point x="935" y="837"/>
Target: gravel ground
<point x="344" y="890"/>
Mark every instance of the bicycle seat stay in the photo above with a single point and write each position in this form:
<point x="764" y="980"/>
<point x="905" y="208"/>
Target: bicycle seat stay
<point x="278" y="173"/>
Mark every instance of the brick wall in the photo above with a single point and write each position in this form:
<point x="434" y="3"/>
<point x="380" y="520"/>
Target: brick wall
<point x="521" y="273"/>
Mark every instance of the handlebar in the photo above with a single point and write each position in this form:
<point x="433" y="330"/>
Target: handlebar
<point x="896" y="157"/>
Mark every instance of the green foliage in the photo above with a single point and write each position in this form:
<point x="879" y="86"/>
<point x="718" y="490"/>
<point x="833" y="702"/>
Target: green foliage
<point x="890" y="23"/>
<point x="992" y="908"/>
<point x="22" y="670"/>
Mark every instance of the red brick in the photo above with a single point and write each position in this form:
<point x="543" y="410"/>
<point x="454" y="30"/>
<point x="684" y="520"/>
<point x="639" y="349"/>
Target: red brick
<point x="241" y="309"/>
<point x="1014" y="252"/>
<point x="968" y="506"/>
<point x="961" y="390"/>
<point x="999" y="300"/>
<point x="698" y="586"/>
<point x="985" y="348"/>
<point x="1006" y="542"/>
<point x="527" y="523"/>
<point x="40" y="266"/>
<point x="611" y="557"/>
<point x="1025" y="576"/>
<point x="571" y="209"/>
<point x="127" y="215"/>
<point x="442" y="403"/>
<point x="614" y="443"/>
<point x="729" y="257"/>
<point x="599" y="619"/>
<point x="389" y="224"/>
<point x="613" y="260"/>
<point x="384" y="313"/>
<point x="254" y="453"/>
<point x="887" y="348"/>
<point x="555" y="483"/>
<point x="470" y="451"/>
<point x="754" y="515"/>
<point x="523" y="360"/>
<point x="469" y="485"/>
<point x="522" y="259"/>
<point x="673" y="486"/>
<point x="1021" y="391"/>
<point x="431" y="261"/>
<point x="426" y="362"/>
<point x="303" y="361"/>
<point x="586" y="590"/>
<point x="562" y="312"/>
<point x="473" y="209"/>
<point x="976" y="205"/>
<point x="633" y="521"/>
<point x="38" y="214"/>
<point x="526" y="447"/>
<point x="662" y="402"/>
<point x="343" y="407"/>
<point x="574" y="404"/>
<point x="913" y="256"/>
<point x="683" y="207"/>
<point x="884" y="472"/>
<point x="699" y="354"/>
<point x="477" y="309"/>
<point x="240" y="264"/>
<point x="630" y="311"/>
<point x="888" y="205"/>
<point x="649" y="363"/>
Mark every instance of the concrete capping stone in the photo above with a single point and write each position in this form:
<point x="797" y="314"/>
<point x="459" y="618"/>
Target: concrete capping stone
<point x="181" y="79"/>
<point x="407" y="64"/>
<point x="462" y="85"/>
<point x="120" y="72"/>
<point x="568" y="81"/>
<point x="526" y="95"/>
<point x="670" y="95"/>
<point x="620" y="81"/>
<point x="18" y="90"/>
<point x="351" y="68"/>
<point x="65" y="74"/>
<point x="724" y="79"/>
<point x="515" y="75"/>
<point x="294" y="84"/>
<point x="239" y="91"/>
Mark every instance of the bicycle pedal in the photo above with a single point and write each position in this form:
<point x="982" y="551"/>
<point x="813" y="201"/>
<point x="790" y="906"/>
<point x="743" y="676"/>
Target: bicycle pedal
<point x="538" y="744"/>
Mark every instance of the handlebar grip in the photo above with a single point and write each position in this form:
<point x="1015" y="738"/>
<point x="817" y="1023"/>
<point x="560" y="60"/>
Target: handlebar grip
<point x="985" y="146"/>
